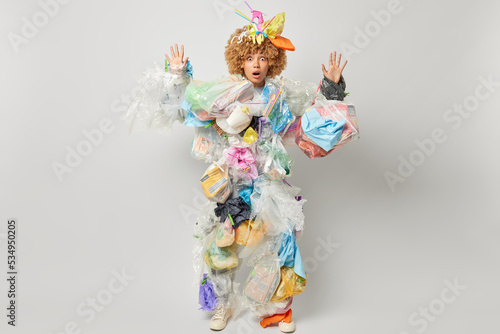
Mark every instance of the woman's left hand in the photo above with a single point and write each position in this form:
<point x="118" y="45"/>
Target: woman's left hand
<point x="334" y="70"/>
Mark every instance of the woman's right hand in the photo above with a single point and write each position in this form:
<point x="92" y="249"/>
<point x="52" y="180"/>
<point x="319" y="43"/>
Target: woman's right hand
<point x="176" y="62"/>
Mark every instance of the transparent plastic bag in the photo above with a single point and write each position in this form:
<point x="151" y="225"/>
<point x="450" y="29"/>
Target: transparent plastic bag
<point x="241" y="92"/>
<point x="206" y="220"/>
<point x="276" y="202"/>
<point x="225" y="234"/>
<point x="194" y="92"/>
<point x="273" y="155"/>
<point x="300" y="95"/>
<point x="207" y="145"/>
<point x="220" y="258"/>
<point x="272" y="308"/>
<point x="201" y="97"/>
<point x="199" y="250"/>
<point x="223" y="284"/>
<point x="335" y="111"/>
<point x="276" y="110"/>
<point x="157" y="104"/>
<point x="288" y="135"/>
<point x="262" y="281"/>
<point x="241" y="160"/>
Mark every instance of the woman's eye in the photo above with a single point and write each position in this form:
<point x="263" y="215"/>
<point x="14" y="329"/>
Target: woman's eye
<point x="262" y="58"/>
<point x="249" y="58"/>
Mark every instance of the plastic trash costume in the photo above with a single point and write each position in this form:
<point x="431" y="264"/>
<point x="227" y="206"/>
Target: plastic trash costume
<point x="252" y="212"/>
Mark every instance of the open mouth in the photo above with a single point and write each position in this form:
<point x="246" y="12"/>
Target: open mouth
<point x="256" y="74"/>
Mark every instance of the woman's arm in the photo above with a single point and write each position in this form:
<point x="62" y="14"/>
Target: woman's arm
<point x="333" y="84"/>
<point x="157" y="105"/>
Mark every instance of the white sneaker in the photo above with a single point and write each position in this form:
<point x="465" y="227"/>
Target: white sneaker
<point x="286" y="327"/>
<point x="219" y="320"/>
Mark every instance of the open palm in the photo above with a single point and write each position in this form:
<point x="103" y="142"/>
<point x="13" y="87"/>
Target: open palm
<point x="334" y="69"/>
<point x="177" y="61"/>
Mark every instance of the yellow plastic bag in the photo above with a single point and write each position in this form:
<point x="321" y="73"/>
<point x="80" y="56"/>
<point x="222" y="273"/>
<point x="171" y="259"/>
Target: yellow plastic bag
<point x="249" y="233"/>
<point x="250" y="136"/>
<point x="290" y="285"/>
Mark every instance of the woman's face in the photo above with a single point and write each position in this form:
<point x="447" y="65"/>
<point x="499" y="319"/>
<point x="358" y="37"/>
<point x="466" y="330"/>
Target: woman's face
<point x="255" y="67"/>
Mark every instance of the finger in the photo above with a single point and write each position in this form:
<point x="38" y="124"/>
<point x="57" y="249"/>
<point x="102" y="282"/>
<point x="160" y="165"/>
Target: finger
<point x="331" y="59"/>
<point x="324" y="69"/>
<point x="172" y="52"/>
<point x="182" y="52"/>
<point x="177" y="50"/>
<point x="342" y="68"/>
<point x="340" y="56"/>
<point x="168" y="59"/>
<point x="186" y="61"/>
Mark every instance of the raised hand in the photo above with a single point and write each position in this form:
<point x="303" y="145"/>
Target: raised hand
<point x="176" y="62"/>
<point x="334" y="70"/>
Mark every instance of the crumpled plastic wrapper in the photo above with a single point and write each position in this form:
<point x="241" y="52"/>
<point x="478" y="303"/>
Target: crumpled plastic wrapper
<point x="207" y="298"/>
<point x="272" y="308"/>
<point x="236" y="207"/>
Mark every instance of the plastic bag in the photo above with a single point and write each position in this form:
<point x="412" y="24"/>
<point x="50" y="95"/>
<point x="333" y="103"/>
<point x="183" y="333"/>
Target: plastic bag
<point x="206" y="220"/>
<point x="206" y="296"/>
<point x="242" y="160"/>
<point x="250" y="136"/>
<point x="289" y="254"/>
<point x="223" y="284"/>
<point x="335" y="111"/>
<point x="191" y="104"/>
<point x="201" y="97"/>
<point x="215" y="183"/>
<point x="273" y="155"/>
<point x="276" y="202"/>
<point x="204" y="139"/>
<point x="225" y="234"/>
<point x="241" y="92"/>
<point x="288" y="134"/>
<point x="300" y="95"/>
<point x="276" y="110"/>
<point x="236" y="209"/>
<point x="250" y="233"/>
<point x="290" y="285"/>
<point x="262" y="281"/>
<point x="272" y="308"/>
<point x="207" y="145"/>
<point x="220" y="258"/>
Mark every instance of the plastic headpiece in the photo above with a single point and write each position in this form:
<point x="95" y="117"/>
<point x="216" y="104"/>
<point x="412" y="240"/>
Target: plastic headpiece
<point x="271" y="29"/>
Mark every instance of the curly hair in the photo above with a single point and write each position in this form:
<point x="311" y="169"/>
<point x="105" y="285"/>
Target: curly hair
<point x="240" y="45"/>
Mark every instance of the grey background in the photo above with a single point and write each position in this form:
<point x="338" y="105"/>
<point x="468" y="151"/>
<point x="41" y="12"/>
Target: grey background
<point x="122" y="207"/>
